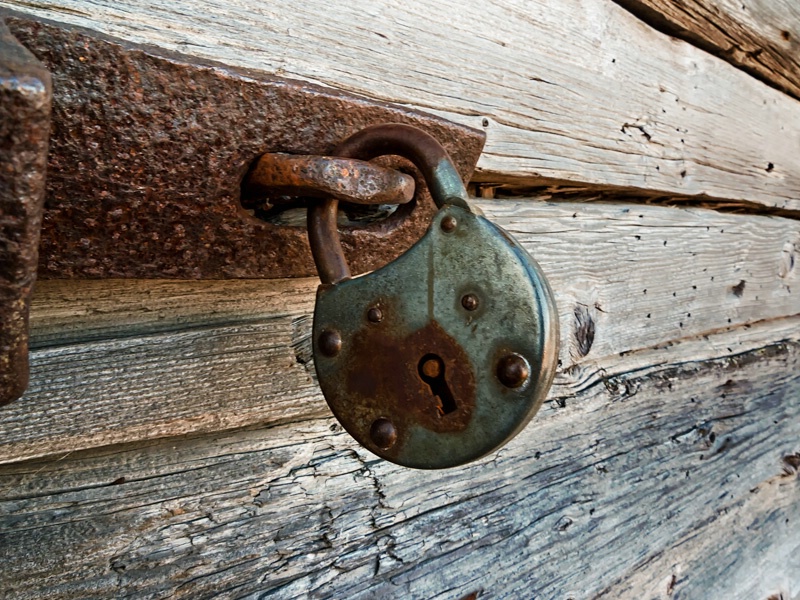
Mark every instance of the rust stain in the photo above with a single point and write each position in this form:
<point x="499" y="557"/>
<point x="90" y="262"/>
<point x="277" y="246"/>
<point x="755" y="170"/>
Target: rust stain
<point x="382" y="379"/>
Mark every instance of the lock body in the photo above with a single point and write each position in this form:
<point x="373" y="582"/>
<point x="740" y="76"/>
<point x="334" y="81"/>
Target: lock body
<point x="444" y="354"/>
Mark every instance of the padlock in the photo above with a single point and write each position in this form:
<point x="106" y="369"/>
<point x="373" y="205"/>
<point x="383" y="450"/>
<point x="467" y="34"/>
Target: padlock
<point x="444" y="354"/>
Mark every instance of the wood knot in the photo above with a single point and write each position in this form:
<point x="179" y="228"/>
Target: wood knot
<point x="738" y="289"/>
<point x="584" y="329"/>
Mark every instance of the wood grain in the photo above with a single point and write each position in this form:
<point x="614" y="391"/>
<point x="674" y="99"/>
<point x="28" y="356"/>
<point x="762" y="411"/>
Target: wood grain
<point x="636" y="287"/>
<point x="761" y="526"/>
<point x="644" y="275"/>
<point x="576" y="90"/>
<point x="630" y="483"/>
<point x="142" y="360"/>
<point x="760" y="36"/>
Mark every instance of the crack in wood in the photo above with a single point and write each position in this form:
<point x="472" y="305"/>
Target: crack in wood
<point x="558" y="191"/>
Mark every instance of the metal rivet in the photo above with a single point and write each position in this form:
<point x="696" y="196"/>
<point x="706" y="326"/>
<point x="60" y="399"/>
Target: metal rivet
<point x="383" y="433"/>
<point x="374" y="315"/>
<point x="469" y="301"/>
<point x="513" y="370"/>
<point x="449" y="224"/>
<point x="330" y="342"/>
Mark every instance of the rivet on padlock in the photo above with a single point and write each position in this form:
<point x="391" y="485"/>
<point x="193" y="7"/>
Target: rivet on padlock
<point x="445" y="354"/>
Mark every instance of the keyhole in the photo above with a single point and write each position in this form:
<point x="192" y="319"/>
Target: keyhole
<point x="431" y="371"/>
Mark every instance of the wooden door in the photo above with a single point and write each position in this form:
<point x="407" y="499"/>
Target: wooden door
<point x="174" y="443"/>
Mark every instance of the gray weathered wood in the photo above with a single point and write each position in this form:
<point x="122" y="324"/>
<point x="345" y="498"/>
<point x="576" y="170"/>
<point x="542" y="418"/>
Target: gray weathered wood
<point x="118" y="361"/>
<point x="761" y="526"/>
<point x="627" y="484"/>
<point x="759" y="36"/>
<point x="690" y="270"/>
<point x="576" y="90"/>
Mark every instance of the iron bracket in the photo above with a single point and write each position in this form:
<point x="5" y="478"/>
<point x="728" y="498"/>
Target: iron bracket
<point x="25" y="96"/>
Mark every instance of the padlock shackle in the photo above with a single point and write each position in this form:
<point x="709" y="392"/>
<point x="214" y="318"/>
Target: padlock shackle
<point x="420" y="148"/>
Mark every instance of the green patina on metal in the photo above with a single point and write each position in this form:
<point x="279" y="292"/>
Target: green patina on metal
<point x="446" y="353"/>
<point x="447" y="184"/>
<point x="376" y="372"/>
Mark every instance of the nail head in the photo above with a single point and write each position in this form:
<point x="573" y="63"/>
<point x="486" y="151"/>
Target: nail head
<point x="330" y="342"/>
<point x="449" y="224"/>
<point x="383" y="433"/>
<point x="469" y="301"/>
<point x="513" y="370"/>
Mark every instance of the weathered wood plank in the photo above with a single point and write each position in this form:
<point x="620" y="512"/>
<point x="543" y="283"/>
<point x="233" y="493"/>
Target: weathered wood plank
<point x="577" y="90"/>
<point x="118" y="361"/>
<point x="77" y="311"/>
<point x="762" y="526"/>
<point x="616" y="487"/>
<point x="760" y="36"/>
<point x="163" y="359"/>
<point x="642" y="275"/>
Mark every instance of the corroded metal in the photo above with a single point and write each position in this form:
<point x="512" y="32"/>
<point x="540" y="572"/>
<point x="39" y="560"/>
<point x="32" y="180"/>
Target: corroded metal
<point x="472" y="398"/>
<point x="345" y="179"/>
<point x="513" y="370"/>
<point x="25" y="95"/>
<point x="422" y="149"/>
<point x="148" y="152"/>
<point x="435" y="381"/>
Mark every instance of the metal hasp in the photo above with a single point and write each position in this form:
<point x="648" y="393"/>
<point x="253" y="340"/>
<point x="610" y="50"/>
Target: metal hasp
<point x="149" y="150"/>
<point x="345" y="179"/>
<point x="25" y="96"/>
<point x="444" y="354"/>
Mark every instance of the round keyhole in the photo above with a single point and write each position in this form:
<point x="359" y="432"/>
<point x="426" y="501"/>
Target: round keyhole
<point x="431" y="371"/>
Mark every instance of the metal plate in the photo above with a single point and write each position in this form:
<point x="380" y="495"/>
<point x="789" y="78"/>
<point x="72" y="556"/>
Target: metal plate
<point x="148" y="150"/>
<point x="372" y="374"/>
<point x="25" y="94"/>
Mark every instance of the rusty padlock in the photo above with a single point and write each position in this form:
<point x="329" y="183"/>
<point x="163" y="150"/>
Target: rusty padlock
<point x="444" y="354"/>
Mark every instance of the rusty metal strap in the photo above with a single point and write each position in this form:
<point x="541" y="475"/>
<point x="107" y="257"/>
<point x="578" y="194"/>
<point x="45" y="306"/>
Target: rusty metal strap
<point x="345" y="179"/>
<point x="25" y="95"/>
<point x="148" y="152"/>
